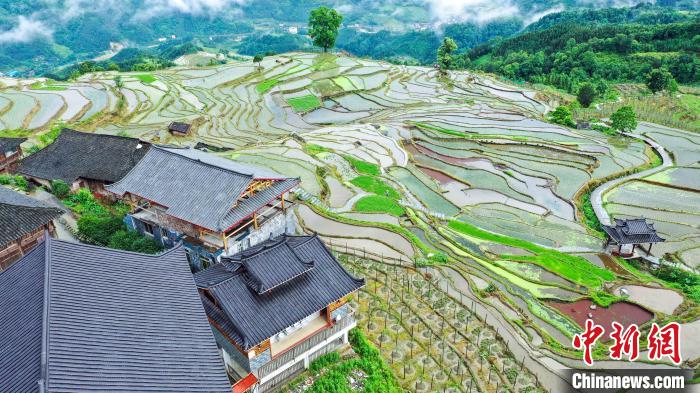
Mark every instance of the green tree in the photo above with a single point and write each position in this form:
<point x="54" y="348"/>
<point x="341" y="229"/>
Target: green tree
<point x="660" y="80"/>
<point x="562" y="115"/>
<point x="118" y="81"/>
<point x="60" y="188"/>
<point x="586" y="95"/>
<point x="324" y="23"/>
<point x="258" y="58"/>
<point x="624" y="119"/>
<point x="444" y="53"/>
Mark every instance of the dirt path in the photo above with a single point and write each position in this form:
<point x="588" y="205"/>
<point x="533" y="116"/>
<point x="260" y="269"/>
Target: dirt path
<point x="597" y="194"/>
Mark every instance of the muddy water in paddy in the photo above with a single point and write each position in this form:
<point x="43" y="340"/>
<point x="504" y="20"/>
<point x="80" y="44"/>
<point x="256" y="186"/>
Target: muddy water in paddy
<point x="622" y="312"/>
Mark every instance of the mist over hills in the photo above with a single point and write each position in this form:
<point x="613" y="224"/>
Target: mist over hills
<point x="38" y="35"/>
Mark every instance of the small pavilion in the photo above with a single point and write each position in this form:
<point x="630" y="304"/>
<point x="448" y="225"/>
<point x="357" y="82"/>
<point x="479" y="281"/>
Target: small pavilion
<point x="628" y="234"/>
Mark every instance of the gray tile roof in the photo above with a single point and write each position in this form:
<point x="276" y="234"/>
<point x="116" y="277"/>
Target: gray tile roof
<point x="21" y="306"/>
<point x="10" y="144"/>
<point x="195" y="188"/>
<point x="632" y="231"/>
<point x="256" y="265"/>
<point x="21" y="215"/>
<point x="76" y="154"/>
<point x="249" y="317"/>
<point x="110" y="320"/>
<point x="213" y="159"/>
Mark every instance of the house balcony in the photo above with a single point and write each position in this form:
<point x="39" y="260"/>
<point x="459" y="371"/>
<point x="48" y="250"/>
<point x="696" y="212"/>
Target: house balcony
<point x="304" y="342"/>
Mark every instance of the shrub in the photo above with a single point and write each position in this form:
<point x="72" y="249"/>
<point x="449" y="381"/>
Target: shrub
<point x="133" y="241"/>
<point x="16" y="181"/>
<point x="562" y="115"/>
<point x="324" y="361"/>
<point x="604" y="299"/>
<point x="59" y="188"/>
<point x="99" y="228"/>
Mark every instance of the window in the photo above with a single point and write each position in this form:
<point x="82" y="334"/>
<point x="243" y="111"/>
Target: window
<point x="148" y="229"/>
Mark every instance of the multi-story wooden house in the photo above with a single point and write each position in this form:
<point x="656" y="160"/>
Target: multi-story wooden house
<point x="81" y="318"/>
<point x="23" y="223"/>
<point x="10" y="153"/>
<point x="83" y="159"/>
<point x="216" y="206"/>
<point x="276" y="307"/>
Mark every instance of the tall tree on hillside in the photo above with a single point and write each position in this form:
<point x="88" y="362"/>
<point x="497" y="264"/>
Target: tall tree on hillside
<point x="324" y="23"/>
<point x="586" y="95"/>
<point x="258" y="59"/>
<point x="444" y="53"/>
<point x="624" y="119"/>
<point x="660" y="80"/>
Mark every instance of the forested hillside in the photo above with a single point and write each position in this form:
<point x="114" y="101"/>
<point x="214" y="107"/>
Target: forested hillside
<point x="567" y="54"/>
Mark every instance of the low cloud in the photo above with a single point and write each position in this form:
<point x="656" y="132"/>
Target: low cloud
<point x="27" y="29"/>
<point x="478" y="11"/>
<point x="534" y="17"/>
<point x="153" y="8"/>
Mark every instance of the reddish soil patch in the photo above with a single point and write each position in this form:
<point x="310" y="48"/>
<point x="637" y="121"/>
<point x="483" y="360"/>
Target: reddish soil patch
<point x="437" y="175"/>
<point x="417" y="149"/>
<point x="623" y="313"/>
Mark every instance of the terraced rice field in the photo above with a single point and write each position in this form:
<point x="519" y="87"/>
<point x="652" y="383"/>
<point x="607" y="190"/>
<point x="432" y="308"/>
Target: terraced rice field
<point x="670" y="198"/>
<point x="461" y="187"/>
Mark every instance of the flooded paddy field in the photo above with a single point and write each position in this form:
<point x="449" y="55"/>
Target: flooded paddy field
<point x="456" y="201"/>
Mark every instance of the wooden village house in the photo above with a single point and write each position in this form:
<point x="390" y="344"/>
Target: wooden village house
<point x="216" y="206"/>
<point x="23" y="223"/>
<point x="276" y="307"/>
<point x="10" y="153"/>
<point x="81" y="318"/>
<point x="628" y="234"/>
<point x="83" y="160"/>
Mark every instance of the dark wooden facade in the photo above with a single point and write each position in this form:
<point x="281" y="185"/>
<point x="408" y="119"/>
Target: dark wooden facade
<point x="8" y="159"/>
<point x="18" y="248"/>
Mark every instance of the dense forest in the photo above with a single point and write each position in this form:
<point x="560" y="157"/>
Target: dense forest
<point x="568" y="54"/>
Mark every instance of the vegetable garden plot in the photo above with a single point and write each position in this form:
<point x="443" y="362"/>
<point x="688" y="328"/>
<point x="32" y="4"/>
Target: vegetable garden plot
<point x="431" y="340"/>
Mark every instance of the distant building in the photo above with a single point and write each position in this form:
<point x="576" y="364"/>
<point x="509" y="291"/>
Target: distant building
<point x="293" y="30"/>
<point x="23" y="222"/>
<point x="629" y="234"/>
<point x="276" y="307"/>
<point x="162" y="39"/>
<point x="83" y="159"/>
<point x="10" y="152"/>
<point x="216" y="206"/>
<point x="181" y="129"/>
<point x="81" y="318"/>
